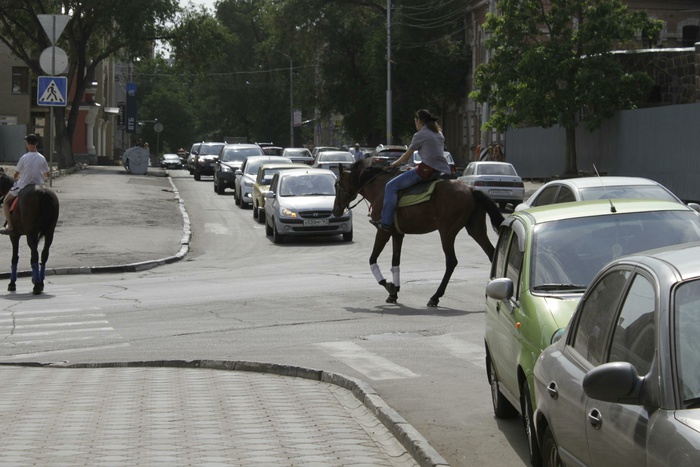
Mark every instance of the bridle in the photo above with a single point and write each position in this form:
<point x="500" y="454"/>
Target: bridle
<point x="339" y="189"/>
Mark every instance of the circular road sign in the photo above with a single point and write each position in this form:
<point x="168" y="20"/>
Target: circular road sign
<point x="60" y="61"/>
<point x="158" y="127"/>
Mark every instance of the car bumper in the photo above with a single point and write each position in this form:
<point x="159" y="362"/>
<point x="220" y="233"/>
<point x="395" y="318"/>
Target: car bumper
<point x="226" y="179"/>
<point x="296" y="227"/>
<point x="512" y="195"/>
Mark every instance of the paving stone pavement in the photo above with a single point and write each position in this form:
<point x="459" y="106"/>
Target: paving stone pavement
<point x="185" y="416"/>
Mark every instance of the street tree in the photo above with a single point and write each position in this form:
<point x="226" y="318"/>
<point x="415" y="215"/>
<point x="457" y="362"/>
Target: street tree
<point x="97" y="30"/>
<point x="552" y="64"/>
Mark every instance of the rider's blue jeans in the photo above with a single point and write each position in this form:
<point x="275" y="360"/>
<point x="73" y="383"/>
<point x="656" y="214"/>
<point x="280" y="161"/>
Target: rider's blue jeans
<point x="406" y="179"/>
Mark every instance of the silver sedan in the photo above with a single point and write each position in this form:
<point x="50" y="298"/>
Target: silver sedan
<point x="622" y="385"/>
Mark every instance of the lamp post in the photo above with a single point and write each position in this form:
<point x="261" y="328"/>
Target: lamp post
<point x="291" y="100"/>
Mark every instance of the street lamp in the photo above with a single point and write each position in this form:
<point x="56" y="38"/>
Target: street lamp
<point x="291" y="100"/>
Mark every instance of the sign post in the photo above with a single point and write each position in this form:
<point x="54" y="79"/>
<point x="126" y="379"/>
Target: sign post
<point x="54" y="91"/>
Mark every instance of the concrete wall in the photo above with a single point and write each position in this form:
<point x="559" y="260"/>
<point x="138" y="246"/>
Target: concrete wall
<point x="661" y="143"/>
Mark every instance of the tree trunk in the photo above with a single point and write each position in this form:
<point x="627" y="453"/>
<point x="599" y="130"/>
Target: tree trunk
<point x="571" y="169"/>
<point x="64" y="145"/>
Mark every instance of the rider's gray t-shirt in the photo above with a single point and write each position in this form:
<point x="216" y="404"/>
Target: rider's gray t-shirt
<point x="431" y="147"/>
<point x="31" y="167"/>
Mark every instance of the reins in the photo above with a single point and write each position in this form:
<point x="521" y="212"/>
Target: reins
<point x="359" y="177"/>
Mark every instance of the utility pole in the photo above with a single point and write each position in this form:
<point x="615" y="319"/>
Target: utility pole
<point x="291" y="99"/>
<point x="389" y="136"/>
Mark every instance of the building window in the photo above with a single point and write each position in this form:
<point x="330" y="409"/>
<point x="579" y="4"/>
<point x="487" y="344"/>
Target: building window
<point x="20" y="80"/>
<point x="691" y="35"/>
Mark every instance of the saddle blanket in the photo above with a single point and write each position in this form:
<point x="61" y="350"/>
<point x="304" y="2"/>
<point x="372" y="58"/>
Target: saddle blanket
<point x="418" y="193"/>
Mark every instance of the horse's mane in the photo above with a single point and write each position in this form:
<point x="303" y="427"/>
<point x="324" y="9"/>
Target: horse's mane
<point x="361" y="174"/>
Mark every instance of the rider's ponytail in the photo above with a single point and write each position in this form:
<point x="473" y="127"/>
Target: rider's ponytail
<point x="428" y="120"/>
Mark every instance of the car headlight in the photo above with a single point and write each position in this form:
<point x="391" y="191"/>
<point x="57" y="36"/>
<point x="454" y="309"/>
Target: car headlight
<point x="226" y="168"/>
<point x="249" y="184"/>
<point x="284" y="212"/>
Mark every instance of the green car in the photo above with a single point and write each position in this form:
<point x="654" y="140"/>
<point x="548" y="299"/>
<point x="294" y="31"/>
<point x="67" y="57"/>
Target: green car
<point x="545" y="258"/>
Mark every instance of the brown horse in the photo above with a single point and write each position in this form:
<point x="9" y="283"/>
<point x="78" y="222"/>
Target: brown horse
<point x="452" y="206"/>
<point x="34" y="216"/>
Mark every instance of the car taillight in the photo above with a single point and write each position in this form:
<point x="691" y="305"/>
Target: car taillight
<point x="520" y="185"/>
<point x="454" y="169"/>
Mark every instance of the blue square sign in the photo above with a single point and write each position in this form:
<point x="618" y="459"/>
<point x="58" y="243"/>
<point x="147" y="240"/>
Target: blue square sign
<point x="52" y="91"/>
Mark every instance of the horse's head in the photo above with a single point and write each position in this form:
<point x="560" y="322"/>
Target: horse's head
<point x="6" y="183"/>
<point x="345" y="190"/>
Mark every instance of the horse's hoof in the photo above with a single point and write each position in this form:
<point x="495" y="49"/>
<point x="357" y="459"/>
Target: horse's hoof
<point x="38" y="288"/>
<point x="391" y="299"/>
<point x="391" y="288"/>
<point x="11" y="287"/>
<point x="433" y="302"/>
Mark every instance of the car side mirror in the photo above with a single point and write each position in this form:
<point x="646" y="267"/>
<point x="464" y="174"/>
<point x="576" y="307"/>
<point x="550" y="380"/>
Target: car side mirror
<point x="238" y="172"/>
<point x="269" y="194"/>
<point x="616" y="382"/>
<point x="500" y="289"/>
<point x="694" y="206"/>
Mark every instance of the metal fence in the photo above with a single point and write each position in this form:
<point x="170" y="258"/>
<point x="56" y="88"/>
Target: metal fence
<point x="661" y="143"/>
<point x="12" y="143"/>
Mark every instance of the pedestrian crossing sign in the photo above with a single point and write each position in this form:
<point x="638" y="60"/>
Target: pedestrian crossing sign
<point x="52" y="91"/>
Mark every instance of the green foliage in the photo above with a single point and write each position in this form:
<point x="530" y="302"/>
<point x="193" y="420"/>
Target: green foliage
<point x="555" y="65"/>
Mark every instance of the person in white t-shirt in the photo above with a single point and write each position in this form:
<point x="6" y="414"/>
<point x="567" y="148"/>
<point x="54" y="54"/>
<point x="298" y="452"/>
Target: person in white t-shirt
<point x="32" y="168"/>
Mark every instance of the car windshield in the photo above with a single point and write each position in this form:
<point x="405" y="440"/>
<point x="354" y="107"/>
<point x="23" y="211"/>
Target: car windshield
<point x="495" y="169"/>
<point x="566" y="254"/>
<point x="335" y="157"/>
<point x="272" y="151"/>
<point x="253" y="166"/>
<point x="687" y="329"/>
<point x="210" y="149"/>
<point x="308" y="185"/>
<point x="626" y="191"/>
<point x="297" y="153"/>
<point x="239" y="155"/>
<point x="267" y="176"/>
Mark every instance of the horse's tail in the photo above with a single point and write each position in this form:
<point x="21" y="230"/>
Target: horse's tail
<point x="48" y="212"/>
<point x="491" y="208"/>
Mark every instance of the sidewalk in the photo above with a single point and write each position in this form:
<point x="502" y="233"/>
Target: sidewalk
<point x="171" y="412"/>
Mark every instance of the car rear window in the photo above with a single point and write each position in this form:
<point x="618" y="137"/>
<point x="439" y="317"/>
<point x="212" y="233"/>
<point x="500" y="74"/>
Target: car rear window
<point x="210" y="149"/>
<point x="239" y="155"/>
<point x="496" y="169"/>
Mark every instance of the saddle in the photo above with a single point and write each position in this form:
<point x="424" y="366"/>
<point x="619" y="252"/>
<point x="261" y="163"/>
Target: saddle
<point x="418" y="193"/>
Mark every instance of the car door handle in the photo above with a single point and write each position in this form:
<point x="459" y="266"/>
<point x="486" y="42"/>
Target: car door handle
<point x="552" y="390"/>
<point x="595" y="419"/>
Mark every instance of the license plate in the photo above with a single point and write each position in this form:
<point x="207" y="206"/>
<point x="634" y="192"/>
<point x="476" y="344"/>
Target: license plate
<point x="500" y="192"/>
<point x="315" y="222"/>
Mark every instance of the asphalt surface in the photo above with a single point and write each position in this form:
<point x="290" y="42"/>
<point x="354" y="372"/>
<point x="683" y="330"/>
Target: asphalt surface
<point x="174" y="412"/>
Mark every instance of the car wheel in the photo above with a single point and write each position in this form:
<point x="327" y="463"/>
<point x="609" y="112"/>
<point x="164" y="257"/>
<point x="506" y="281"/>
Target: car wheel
<point x="261" y="215"/>
<point x="255" y="211"/>
<point x="529" y="424"/>
<point x="197" y="176"/>
<point x="219" y="188"/>
<point x="242" y="204"/>
<point x="550" y="450"/>
<point x="268" y="229"/>
<point x="276" y="236"/>
<point x="190" y="171"/>
<point x="347" y="237"/>
<point x="502" y="408"/>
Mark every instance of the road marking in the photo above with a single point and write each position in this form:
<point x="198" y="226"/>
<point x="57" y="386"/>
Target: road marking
<point x="459" y="348"/>
<point x="371" y="365"/>
<point x="216" y="229"/>
<point x="61" y="339"/>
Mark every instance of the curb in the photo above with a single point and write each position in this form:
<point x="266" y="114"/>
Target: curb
<point x="419" y="448"/>
<point x="132" y="267"/>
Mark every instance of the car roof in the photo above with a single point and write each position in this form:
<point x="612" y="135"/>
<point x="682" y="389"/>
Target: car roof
<point x="489" y="163"/>
<point x="266" y="156"/>
<point x="308" y="170"/>
<point x="562" y="211"/>
<point x="240" y="145"/>
<point x="587" y="182"/>
<point x="277" y="165"/>
<point x="682" y="257"/>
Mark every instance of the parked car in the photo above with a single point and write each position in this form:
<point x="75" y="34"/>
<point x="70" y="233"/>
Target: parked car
<point x="262" y="185"/>
<point x="245" y="177"/>
<point x="499" y="180"/>
<point x="272" y="150"/>
<point x="383" y="155"/>
<point x="301" y="155"/>
<point x="416" y="159"/>
<point x="230" y="159"/>
<point x="331" y="159"/>
<point x="319" y="149"/>
<point x="622" y="386"/>
<point x="192" y="156"/>
<point x="545" y="258"/>
<point x="170" y="161"/>
<point x="588" y="188"/>
<point x="300" y="203"/>
<point x="205" y="160"/>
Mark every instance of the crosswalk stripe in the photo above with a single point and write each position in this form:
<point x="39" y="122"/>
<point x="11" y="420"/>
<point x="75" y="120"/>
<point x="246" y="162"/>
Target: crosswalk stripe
<point x="44" y="325"/>
<point x="72" y="350"/>
<point x="53" y="333"/>
<point x="63" y="339"/>
<point x="459" y="348"/>
<point x="371" y="365"/>
<point x="50" y="318"/>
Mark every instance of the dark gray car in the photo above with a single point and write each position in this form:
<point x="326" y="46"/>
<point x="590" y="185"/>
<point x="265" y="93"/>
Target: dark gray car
<point x="622" y="385"/>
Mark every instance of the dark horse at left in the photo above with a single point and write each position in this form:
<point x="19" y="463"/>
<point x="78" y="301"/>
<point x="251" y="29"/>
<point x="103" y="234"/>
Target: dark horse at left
<point x="453" y="206"/>
<point x="35" y="215"/>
